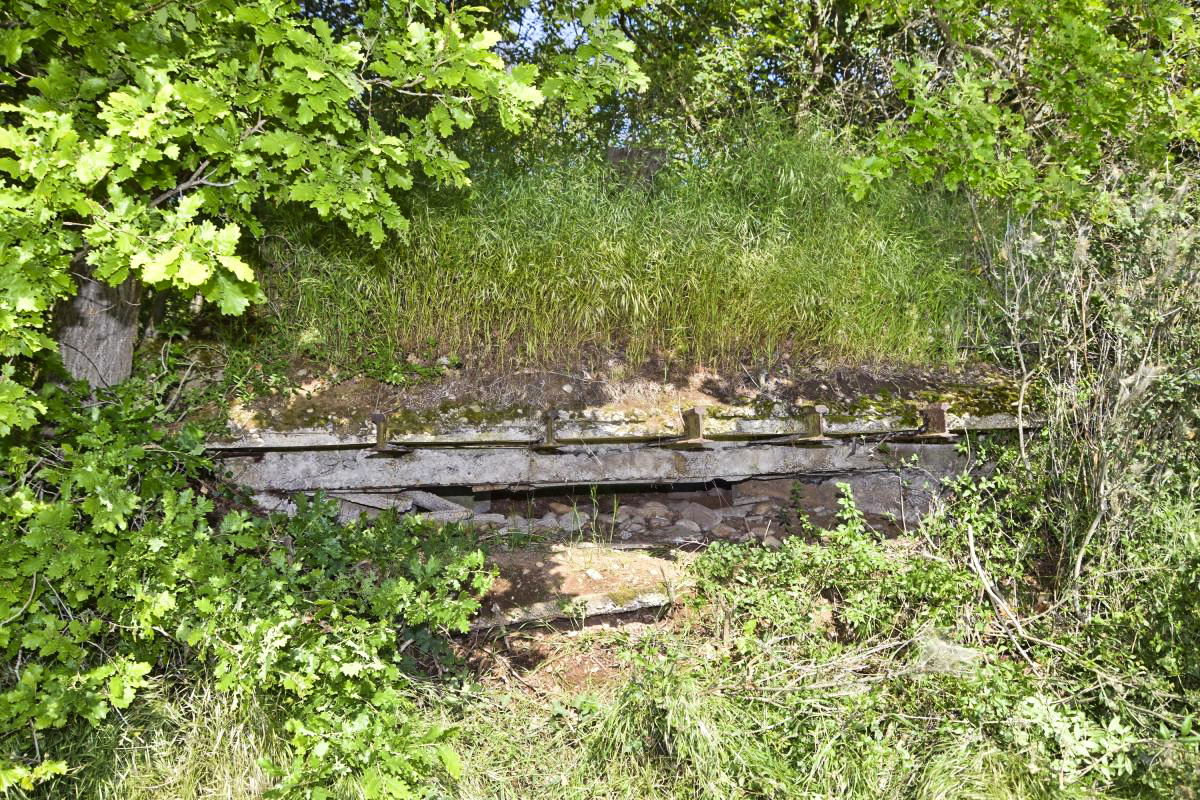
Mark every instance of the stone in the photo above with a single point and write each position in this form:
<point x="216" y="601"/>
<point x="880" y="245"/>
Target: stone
<point x="548" y="522"/>
<point x="766" y="489"/>
<point x="427" y="501"/>
<point x="489" y="519"/>
<point x="771" y="542"/>
<point x="447" y="516"/>
<point x="657" y="522"/>
<point x="689" y="525"/>
<point x="561" y="508"/>
<point x="722" y="531"/>
<point x="703" y="516"/>
<point x="654" y="509"/>
<point x="594" y="574"/>
<point x="572" y="521"/>
<point x="765" y="508"/>
<point x="733" y="512"/>
<point x="749" y="500"/>
<point x="760" y="532"/>
<point x="625" y="513"/>
<point x="634" y="527"/>
<point x="680" y="533"/>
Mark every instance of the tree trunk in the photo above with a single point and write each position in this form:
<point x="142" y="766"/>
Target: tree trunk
<point x="97" y="331"/>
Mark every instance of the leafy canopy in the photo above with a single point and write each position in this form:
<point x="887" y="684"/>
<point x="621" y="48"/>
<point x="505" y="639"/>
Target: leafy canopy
<point x="1023" y="101"/>
<point x="137" y="141"/>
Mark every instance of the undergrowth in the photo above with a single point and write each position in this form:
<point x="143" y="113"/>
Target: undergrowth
<point x="749" y="248"/>
<point x="846" y="665"/>
<point x="128" y="572"/>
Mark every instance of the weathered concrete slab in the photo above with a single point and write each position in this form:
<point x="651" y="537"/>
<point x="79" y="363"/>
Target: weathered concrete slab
<point x="897" y="498"/>
<point x="593" y="426"/>
<point x="365" y="470"/>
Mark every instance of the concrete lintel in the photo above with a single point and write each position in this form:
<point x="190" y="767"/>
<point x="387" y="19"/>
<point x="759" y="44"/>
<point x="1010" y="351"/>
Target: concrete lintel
<point x="599" y="433"/>
<point x="362" y="470"/>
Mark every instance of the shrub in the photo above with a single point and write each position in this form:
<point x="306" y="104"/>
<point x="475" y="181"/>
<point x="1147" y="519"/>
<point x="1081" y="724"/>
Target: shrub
<point x="122" y="557"/>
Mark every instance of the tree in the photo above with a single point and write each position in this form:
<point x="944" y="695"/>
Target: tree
<point x="1023" y="101"/>
<point x="138" y="141"/>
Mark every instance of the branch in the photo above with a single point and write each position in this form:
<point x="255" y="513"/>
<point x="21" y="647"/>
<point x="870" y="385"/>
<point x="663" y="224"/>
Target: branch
<point x="183" y="187"/>
<point x="983" y="52"/>
<point x="1012" y="624"/>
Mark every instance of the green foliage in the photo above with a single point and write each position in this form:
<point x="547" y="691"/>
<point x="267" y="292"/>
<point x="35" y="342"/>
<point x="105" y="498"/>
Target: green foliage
<point x="138" y="143"/>
<point x="1020" y="101"/>
<point x="117" y="565"/>
<point x="879" y="590"/>
<point x="751" y="250"/>
<point x="1029" y="104"/>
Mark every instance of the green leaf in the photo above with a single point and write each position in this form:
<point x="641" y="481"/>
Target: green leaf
<point x="191" y="271"/>
<point x="450" y="761"/>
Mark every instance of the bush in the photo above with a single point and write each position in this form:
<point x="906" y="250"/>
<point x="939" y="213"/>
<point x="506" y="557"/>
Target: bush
<point x="123" y="558"/>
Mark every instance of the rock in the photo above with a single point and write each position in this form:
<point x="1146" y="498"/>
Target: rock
<point x="936" y="654"/>
<point x="561" y="508"/>
<point x="594" y="575"/>
<point x="654" y="509"/>
<point x="634" y="527"/>
<point x="657" y="522"/>
<point x="489" y="519"/>
<point x="548" y="522"/>
<point x="516" y="521"/>
<point x="760" y="532"/>
<point x="771" y="542"/>
<point x="572" y="521"/>
<point x="722" y="531"/>
<point x="427" y="501"/>
<point x="703" y="516"/>
<point x="770" y="488"/>
<point x="625" y="513"/>
<point x="749" y="501"/>
<point x="680" y="533"/>
<point x="765" y="508"/>
<point x="689" y="525"/>
<point x="734" y="512"/>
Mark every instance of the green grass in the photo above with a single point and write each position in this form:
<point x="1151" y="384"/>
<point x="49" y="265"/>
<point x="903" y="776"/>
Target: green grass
<point x="181" y="739"/>
<point x="757" y="252"/>
<point x="743" y="695"/>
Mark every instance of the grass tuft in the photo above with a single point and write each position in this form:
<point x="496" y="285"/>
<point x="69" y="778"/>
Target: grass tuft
<point x="192" y="743"/>
<point x="756" y="252"/>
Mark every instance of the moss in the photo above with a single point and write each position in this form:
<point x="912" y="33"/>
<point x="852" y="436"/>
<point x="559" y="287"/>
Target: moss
<point x="623" y="597"/>
<point x="877" y="406"/>
<point x="452" y="416"/>
<point x="979" y="399"/>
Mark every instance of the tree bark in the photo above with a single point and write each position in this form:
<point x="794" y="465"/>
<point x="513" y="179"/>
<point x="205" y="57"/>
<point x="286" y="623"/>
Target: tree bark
<point x="97" y="331"/>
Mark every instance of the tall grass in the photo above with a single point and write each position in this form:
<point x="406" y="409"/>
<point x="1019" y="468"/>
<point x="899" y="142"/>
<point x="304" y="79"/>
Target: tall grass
<point x="752" y="249"/>
<point x="188" y="741"/>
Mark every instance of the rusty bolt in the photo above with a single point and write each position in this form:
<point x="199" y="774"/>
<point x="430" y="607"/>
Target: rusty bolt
<point x="934" y="416"/>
